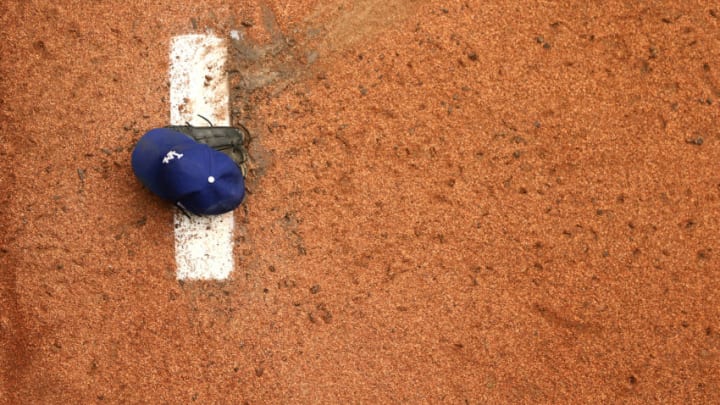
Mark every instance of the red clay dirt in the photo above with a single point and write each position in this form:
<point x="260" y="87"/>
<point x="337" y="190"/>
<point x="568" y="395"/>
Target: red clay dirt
<point x="449" y="202"/>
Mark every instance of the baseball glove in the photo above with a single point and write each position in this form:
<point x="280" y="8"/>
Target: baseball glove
<point x="229" y="140"/>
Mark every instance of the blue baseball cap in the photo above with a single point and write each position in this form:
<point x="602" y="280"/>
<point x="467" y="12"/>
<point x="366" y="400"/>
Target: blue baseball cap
<point x="177" y="168"/>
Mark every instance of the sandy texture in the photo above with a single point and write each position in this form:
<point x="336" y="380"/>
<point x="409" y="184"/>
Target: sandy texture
<point x="449" y="202"/>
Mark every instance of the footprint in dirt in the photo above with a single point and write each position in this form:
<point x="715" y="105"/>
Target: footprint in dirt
<point x="253" y="66"/>
<point x="267" y="68"/>
<point x="272" y="66"/>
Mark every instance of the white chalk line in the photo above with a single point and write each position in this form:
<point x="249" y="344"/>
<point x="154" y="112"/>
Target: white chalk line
<point x="199" y="86"/>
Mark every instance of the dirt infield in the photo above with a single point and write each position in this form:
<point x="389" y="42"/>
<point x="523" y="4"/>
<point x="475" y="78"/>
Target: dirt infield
<point x="448" y="202"/>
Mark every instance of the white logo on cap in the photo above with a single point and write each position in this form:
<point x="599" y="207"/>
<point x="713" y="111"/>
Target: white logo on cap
<point x="171" y="155"/>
